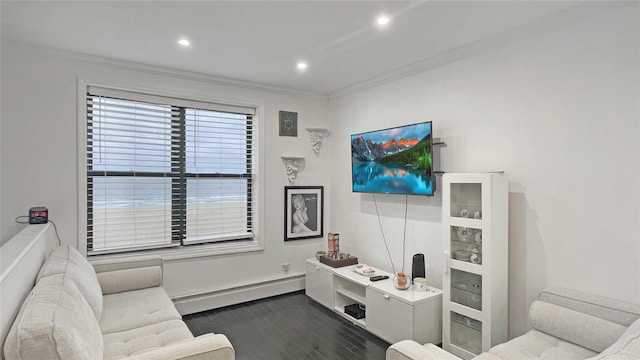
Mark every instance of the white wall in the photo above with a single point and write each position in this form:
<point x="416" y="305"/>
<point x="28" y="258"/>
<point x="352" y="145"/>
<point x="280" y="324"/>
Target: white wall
<point x="39" y="157"/>
<point x="559" y="113"/>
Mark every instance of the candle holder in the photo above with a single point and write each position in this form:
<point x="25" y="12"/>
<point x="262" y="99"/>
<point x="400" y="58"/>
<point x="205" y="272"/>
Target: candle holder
<point x="401" y="281"/>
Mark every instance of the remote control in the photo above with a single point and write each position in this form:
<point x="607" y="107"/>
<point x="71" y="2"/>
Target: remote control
<point x="378" y="277"/>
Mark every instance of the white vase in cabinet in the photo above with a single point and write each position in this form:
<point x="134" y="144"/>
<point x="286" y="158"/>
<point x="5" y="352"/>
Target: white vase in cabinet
<point x="475" y="284"/>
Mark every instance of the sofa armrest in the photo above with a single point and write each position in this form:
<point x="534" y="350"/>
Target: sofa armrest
<point x="126" y="274"/>
<point x="207" y="346"/>
<point x="588" y="331"/>
<point x="411" y="350"/>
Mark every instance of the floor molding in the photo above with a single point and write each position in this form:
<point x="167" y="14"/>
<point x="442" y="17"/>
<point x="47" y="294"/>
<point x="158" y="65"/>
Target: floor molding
<point x="216" y="299"/>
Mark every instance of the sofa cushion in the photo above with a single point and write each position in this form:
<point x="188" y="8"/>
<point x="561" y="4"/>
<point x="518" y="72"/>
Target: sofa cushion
<point x="122" y="344"/>
<point x="123" y="280"/>
<point x="66" y="259"/>
<point x="137" y="308"/>
<point x="55" y="322"/>
<point x="626" y="348"/>
<point x="579" y="328"/>
<point x="536" y="345"/>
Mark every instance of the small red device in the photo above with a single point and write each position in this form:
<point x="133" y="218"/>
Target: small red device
<point x="38" y="215"/>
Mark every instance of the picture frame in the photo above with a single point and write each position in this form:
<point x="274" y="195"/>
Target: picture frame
<point x="303" y="212"/>
<point x="288" y="121"/>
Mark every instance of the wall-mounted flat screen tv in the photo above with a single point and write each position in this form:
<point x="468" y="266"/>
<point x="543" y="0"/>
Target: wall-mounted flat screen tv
<point x="393" y="161"/>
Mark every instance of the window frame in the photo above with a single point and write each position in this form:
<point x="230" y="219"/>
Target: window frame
<point x="183" y="251"/>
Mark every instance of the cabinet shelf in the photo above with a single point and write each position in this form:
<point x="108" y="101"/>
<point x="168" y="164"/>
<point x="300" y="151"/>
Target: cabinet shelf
<point x="466" y="266"/>
<point x="350" y="289"/>
<point x="466" y="222"/>
<point x="460" y="287"/>
<point x="347" y="293"/>
<point x="351" y="294"/>
<point x="461" y="243"/>
<point x="466" y="311"/>
<point x="362" y="322"/>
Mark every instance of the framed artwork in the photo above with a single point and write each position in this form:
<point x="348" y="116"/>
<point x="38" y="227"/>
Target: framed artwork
<point x="303" y="212"/>
<point x="288" y="123"/>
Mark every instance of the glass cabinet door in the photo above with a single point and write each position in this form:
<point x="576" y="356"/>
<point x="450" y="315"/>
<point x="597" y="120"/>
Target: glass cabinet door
<point x="466" y="229"/>
<point x="466" y="244"/>
<point x="466" y="200"/>
<point x="466" y="289"/>
<point x="466" y="333"/>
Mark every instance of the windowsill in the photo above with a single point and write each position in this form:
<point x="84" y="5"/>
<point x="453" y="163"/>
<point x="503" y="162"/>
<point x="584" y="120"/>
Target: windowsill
<point x="187" y="252"/>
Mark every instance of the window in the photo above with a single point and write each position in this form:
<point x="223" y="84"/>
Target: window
<point x="166" y="172"/>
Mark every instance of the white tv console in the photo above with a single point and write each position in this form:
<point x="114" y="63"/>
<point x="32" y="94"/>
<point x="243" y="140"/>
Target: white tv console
<point x="391" y="314"/>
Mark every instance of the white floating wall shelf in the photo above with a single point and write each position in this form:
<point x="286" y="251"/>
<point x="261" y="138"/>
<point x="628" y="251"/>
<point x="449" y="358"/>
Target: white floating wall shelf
<point x="316" y="136"/>
<point x="292" y="164"/>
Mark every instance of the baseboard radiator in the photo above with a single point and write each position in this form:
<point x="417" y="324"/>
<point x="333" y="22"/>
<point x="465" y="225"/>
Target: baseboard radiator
<point x="216" y="299"/>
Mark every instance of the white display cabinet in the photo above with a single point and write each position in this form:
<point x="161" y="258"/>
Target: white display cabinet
<point x="475" y="298"/>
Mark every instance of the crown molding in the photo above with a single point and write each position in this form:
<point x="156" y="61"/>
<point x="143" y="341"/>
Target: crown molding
<point x="541" y="26"/>
<point x="547" y="24"/>
<point x="165" y="71"/>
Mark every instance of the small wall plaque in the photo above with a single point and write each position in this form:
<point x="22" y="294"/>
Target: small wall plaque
<point x="288" y="123"/>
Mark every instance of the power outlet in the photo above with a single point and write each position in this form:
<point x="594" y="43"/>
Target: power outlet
<point x="285" y="267"/>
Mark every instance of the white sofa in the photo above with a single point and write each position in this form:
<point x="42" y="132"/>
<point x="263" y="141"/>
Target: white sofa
<point x="566" y="325"/>
<point x="112" y="310"/>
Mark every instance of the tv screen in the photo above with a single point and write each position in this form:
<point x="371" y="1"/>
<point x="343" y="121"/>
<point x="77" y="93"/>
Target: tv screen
<point x="393" y="161"/>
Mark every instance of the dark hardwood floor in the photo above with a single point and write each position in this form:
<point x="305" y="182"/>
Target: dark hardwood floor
<point x="289" y="326"/>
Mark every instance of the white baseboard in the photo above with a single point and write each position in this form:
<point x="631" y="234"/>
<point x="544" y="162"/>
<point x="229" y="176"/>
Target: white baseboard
<point x="216" y="299"/>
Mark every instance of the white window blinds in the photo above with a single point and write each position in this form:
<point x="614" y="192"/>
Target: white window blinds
<point x="166" y="172"/>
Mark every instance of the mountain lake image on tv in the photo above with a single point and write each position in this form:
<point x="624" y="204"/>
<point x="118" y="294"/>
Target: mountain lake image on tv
<point x="393" y="161"/>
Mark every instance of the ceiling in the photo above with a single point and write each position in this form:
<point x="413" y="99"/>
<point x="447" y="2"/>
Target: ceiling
<point x="261" y="41"/>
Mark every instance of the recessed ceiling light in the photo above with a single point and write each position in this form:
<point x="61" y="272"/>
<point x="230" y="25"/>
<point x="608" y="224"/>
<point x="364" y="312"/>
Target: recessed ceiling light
<point x="184" y="42"/>
<point x="302" y="66"/>
<point x="383" y="20"/>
